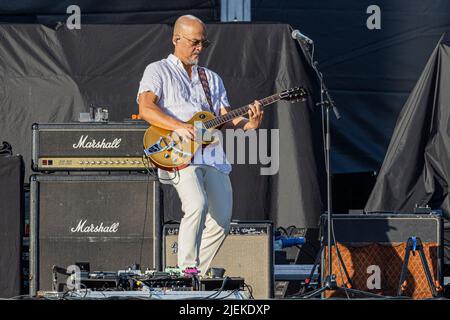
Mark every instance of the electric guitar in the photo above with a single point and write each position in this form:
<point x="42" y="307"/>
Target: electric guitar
<point x="168" y="151"/>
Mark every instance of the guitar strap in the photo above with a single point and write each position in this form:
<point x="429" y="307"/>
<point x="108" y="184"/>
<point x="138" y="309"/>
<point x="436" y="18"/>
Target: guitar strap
<point x="205" y="85"/>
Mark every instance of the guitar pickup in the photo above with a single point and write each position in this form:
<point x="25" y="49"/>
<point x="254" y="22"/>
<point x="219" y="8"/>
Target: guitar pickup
<point x="181" y="153"/>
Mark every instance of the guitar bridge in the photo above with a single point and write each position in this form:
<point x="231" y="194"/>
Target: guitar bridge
<point x="161" y="146"/>
<point x="158" y="147"/>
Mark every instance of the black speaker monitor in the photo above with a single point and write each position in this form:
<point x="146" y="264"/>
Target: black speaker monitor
<point x="11" y="225"/>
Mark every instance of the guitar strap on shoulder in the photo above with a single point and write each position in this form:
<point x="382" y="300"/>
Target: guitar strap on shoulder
<point x="205" y="85"/>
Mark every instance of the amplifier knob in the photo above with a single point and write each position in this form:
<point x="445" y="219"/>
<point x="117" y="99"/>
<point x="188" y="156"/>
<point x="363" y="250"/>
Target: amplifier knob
<point x="81" y="162"/>
<point x="97" y="162"/>
<point x="123" y="162"/>
<point x="116" y="162"/>
<point x="93" y="162"/>
<point x="104" y="162"/>
<point x="110" y="162"/>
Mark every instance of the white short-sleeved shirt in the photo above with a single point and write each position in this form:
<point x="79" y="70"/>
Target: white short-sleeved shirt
<point x="181" y="97"/>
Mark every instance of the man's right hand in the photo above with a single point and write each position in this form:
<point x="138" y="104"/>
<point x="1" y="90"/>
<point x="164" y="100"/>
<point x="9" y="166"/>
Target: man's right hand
<point x="186" y="132"/>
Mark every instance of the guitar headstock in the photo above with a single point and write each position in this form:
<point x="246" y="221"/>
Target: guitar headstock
<point x="293" y="95"/>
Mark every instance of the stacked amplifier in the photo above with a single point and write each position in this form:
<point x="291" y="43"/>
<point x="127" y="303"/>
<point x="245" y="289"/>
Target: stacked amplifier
<point x="93" y="203"/>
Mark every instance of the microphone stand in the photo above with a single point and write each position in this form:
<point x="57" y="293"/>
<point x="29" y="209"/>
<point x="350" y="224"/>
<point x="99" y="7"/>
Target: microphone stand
<point x="327" y="103"/>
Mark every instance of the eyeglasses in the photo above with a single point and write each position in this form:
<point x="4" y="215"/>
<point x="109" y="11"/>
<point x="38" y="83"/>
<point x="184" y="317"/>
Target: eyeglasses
<point x="205" y="43"/>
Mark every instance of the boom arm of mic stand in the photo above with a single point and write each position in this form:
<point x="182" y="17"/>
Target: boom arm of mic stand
<point x="329" y="101"/>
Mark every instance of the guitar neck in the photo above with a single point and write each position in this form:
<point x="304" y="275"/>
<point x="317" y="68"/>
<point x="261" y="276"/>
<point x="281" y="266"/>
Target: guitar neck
<point x="220" y="120"/>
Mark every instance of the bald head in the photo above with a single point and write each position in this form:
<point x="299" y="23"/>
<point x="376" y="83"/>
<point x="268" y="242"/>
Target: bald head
<point x="189" y="36"/>
<point x="187" y="23"/>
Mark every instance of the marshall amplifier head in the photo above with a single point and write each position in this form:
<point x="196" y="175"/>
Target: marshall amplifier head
<point x="92" y="146"/>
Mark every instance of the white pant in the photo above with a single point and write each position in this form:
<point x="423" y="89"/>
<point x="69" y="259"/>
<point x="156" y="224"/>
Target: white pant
<point x="207" y="202"/>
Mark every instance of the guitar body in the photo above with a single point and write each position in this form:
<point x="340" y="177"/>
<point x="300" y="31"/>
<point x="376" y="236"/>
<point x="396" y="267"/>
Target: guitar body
<point x="180" y="155"/>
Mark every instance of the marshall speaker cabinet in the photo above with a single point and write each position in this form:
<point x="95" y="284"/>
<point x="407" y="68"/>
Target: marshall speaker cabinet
<point x="109" y="222"/>
<point x="247" y="252"/>
<point x="373" y="249"/>
<point x="91" y="146"/>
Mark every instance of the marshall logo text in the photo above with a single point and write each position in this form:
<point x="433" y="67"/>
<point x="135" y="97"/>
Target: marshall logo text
<point x="83" y="143"/>
<point x="82" y="227"/>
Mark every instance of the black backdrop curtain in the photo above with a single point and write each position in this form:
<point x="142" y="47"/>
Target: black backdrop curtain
<point x="416" y="169"/>
<point x="49" y="75"/>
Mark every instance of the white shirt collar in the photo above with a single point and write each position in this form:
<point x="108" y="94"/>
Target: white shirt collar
<point x="173" y="58"/>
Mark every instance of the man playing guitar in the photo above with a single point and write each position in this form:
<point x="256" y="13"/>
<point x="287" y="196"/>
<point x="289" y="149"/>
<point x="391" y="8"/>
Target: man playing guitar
<point x="170" y="93"/>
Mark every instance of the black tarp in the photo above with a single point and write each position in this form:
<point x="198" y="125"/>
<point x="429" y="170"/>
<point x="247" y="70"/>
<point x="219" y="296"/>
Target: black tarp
<point x="49" y="75"/>
<point x="416" y="169"/>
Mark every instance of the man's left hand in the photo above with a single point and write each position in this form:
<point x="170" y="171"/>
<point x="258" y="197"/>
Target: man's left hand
<point x="255" y="115"/>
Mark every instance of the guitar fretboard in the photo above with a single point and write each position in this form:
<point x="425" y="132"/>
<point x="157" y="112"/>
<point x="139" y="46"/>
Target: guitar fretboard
<point x="218" y="121"/>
